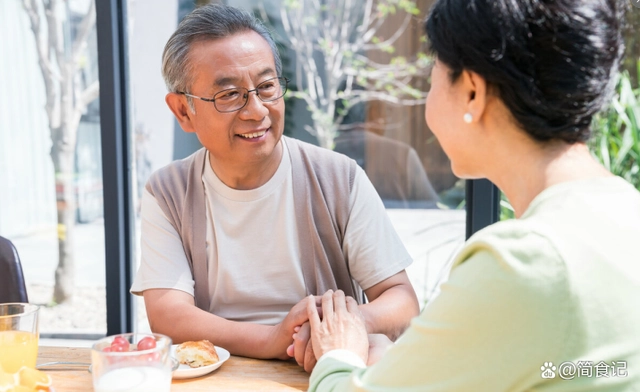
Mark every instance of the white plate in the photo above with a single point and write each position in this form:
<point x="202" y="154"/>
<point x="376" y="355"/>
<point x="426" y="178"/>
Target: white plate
<point x="185" y="371"/>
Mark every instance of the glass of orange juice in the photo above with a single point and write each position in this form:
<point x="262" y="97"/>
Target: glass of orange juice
<point x="18" y="336"/>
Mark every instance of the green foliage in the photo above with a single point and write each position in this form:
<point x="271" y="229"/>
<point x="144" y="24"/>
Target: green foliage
<point x="386" y="9"/>
<point x="453" y="198"/>
<point x="310" y="21"/>
<point x="292" y="4"/>
<point x="326" y="46"/>
<point x="390" y="7"/>
<point x="506" y="210"/>
<point x="616" y="131"/>
<point x="398" y="60"/>
<point x="616" y="135"/>
<point x="387" y="49"/>
<point x="423" y="59"/>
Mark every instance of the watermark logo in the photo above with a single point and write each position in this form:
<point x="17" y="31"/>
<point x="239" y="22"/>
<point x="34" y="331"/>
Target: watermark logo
<point x="635" y="3"/>
<point x="567" y="370"/>
<point x="548" y="370"/>
<point x="584" y="369"/>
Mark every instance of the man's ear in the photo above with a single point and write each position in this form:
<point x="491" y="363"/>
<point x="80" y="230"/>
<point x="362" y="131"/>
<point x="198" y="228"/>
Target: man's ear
<point x="475" y="94"/>
<point x="180" y="108"/>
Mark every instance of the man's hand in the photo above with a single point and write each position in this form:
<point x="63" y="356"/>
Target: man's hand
<point x="378" y="345"/>
<point x="281" y="335"/>
<point x="302" y="349"/>
<point x="342" y="325"/>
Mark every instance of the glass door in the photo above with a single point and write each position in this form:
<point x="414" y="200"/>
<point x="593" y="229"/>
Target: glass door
<point x="51" y="203"/>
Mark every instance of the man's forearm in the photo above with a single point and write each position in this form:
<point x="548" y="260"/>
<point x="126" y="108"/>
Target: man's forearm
<point x="190" y="323"/>
<point x="173" y="313"/>
<point x="391" y="312"/>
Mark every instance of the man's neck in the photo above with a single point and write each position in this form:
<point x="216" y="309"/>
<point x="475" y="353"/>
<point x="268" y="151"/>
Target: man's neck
<point x="250" y="176"/>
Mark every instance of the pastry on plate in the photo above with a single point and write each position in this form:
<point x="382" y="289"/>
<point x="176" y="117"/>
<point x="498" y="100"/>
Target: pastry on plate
<point x="197" y="353"/>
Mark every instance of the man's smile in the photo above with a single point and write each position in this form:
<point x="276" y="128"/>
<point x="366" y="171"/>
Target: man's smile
<point x="254" y="135"/>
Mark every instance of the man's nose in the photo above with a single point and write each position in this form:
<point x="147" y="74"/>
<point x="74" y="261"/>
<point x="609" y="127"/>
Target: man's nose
<point x="255" y="109"/>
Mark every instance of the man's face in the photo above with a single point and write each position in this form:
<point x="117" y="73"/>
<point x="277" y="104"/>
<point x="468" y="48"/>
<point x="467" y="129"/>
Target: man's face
<point x="242" y="60"/>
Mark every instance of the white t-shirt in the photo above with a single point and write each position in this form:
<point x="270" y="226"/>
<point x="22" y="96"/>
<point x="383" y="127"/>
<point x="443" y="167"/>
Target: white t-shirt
<point x="253" y="253"/>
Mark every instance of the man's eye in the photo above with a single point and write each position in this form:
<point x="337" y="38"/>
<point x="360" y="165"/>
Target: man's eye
<point x="228" y="95"/>
<point x="267" y="86"/>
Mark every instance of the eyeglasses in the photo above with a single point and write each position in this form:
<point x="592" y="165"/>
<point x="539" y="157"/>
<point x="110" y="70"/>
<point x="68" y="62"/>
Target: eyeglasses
<point x="234" y="99"/>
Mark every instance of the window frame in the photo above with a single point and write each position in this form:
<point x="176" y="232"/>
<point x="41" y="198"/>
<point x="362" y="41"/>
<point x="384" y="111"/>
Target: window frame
<point x="115" y="123"/>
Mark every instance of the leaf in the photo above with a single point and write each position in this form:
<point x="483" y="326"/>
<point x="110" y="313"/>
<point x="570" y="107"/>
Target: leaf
<point x="292" y="4"/>
<point x="398" y="60"/>
<point x="616" y="139"/>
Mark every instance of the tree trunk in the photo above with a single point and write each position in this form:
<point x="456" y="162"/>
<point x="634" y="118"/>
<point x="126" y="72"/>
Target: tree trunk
<point x="63" y="156"/>
<point x="67" y="97"/>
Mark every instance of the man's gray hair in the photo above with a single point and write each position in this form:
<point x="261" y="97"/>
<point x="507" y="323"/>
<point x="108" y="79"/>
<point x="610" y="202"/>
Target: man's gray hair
<point x="209" y="22"/>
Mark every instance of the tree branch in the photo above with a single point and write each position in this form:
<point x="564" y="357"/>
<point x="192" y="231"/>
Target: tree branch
<point x="393" y="38"/>
<point x="338" y="35"/>
<point x="49" y="77"/>
<point x="85" y="98"/>
<point x="84" y="29"/>
<point x="91" y="93"/>
<point x="54" y="35"/>
<point x="367" y="96"/>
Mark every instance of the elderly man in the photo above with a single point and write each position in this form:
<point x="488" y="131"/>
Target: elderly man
<point x="235" y="236"/>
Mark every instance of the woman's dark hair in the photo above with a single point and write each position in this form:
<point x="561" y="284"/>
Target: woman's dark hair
<point x="552" y="62"/>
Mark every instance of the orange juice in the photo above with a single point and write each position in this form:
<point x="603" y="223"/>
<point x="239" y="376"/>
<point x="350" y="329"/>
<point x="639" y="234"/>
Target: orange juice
<point x="18" y="349"/>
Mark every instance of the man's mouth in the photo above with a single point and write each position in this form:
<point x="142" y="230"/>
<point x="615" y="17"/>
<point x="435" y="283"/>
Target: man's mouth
<point x="253" y="135"/>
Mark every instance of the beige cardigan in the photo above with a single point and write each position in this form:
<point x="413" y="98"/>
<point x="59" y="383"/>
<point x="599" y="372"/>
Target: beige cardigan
<point x="322" y="183"/>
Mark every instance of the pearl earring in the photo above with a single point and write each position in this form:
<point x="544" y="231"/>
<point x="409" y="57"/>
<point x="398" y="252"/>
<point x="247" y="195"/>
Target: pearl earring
<point x="467" y="118"/>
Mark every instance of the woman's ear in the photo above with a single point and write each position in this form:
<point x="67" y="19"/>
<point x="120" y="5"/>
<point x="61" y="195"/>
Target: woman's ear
<point x="180" y="108"/>
<point x="475" y="94"/>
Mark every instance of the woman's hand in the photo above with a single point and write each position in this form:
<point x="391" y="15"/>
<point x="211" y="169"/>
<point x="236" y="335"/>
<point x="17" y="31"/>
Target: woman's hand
<point x="342" y="325"/>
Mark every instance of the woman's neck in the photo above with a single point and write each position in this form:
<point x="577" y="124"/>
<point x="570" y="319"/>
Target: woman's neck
<point x="532" y="167"/>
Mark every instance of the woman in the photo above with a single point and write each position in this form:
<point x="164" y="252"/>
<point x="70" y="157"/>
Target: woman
<point x="550" y="300"/>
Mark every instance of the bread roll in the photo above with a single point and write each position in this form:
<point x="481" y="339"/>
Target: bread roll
<point x="197" y="354"/>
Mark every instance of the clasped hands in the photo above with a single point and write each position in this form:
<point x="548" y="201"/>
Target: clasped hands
<point x="334" y="321"/>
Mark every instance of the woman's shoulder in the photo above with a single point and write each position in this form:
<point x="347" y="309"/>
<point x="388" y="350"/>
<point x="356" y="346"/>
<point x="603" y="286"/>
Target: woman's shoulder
<point x="557" y="260"/>
<point x="522" y="237"/>
<point x="526" y="251"/>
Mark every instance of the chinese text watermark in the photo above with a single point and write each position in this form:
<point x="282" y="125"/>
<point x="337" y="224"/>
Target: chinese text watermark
<point x="586" y="369"/>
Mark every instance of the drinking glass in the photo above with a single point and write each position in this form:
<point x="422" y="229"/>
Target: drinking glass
<point x="18" y="336"/>
<point x="147" y="369"/>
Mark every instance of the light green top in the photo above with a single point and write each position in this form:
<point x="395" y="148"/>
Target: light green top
<point x="561" y="284"/>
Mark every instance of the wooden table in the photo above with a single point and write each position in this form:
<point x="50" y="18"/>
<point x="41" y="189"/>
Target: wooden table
<point x="236" y="374"/>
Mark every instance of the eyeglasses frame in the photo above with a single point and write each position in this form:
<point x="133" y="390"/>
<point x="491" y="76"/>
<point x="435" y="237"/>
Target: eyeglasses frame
<point x="213" y="100"/>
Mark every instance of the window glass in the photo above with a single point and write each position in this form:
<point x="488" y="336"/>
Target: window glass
<point x="50" y="161"/>
<point x="392" y="143"/>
